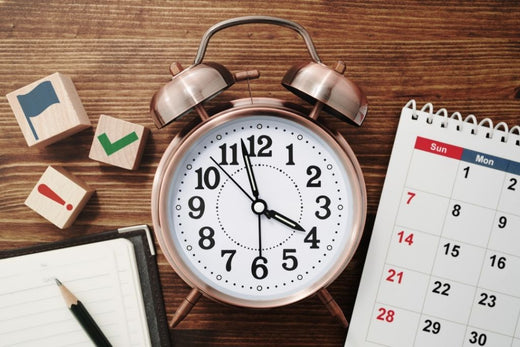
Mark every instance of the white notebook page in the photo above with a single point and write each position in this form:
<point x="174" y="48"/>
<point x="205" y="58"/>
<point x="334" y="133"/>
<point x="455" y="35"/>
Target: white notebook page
<point x="102" y="275"/>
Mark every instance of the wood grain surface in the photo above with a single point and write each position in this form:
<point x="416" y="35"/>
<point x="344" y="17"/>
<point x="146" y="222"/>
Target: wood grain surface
<point x="461" y="55"/>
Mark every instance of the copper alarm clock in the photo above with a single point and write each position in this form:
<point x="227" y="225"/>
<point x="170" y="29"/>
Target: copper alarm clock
<point x="258" y="205"/>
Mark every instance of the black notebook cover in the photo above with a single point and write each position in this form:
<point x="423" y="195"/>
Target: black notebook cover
<point x="142" y="241"/>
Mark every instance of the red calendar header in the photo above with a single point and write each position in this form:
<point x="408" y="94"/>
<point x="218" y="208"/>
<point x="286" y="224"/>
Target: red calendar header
<point x="438" y="147"/>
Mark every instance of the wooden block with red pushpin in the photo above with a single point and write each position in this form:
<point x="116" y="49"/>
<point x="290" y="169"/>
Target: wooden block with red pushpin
<point x="59" y="196"/>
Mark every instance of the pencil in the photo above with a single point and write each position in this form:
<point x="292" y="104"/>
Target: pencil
<point x="83" y="317"/>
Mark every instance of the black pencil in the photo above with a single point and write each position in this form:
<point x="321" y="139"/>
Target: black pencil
<point x="83" y="317"/>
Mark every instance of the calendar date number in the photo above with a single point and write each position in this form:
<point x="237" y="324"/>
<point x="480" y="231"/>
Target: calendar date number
<point x="385" y="315"/>
<point x="431" y="327"/>
<point x="405" y="238"/>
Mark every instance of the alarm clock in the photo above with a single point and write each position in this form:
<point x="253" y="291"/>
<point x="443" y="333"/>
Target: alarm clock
<point x="259" y="204"/>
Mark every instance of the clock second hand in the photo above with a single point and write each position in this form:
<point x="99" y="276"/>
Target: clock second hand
<point x="232" y="179"/>
<point x="260" y="235"/>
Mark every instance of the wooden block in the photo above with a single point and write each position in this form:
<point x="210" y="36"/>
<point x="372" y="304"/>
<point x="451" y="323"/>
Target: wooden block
<point x="48" y="110"/>
<point x="118" y="142"/>
<point x="59" y="196"/>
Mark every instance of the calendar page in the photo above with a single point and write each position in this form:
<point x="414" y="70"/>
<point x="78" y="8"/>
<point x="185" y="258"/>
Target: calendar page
<point x="443" y="265"/>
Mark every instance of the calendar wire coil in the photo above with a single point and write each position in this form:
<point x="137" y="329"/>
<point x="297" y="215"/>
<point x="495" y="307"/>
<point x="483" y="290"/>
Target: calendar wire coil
<point x="486" y="124"/>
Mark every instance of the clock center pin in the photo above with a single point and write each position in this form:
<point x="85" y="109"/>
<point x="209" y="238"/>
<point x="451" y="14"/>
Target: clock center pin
<point x="259" y="206"/>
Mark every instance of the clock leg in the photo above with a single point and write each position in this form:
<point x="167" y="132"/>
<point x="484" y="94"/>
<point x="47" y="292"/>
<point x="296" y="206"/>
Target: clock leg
<point x="333" y="307"/>
<point x="185" y="307"/>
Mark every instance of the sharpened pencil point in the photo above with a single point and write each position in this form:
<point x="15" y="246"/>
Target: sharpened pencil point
<point x="84" y="318"/>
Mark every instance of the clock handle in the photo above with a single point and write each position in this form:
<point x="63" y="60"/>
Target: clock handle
<point x="333" y="307"/>
<point x="185" y="307"/>
<point x="255" y="19"/>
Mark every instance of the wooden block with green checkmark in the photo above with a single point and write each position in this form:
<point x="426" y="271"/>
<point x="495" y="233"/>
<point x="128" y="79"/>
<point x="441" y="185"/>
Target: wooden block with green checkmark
<point x="118" y="142"/>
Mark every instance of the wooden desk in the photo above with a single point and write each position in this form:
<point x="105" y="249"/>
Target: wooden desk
<point x="464" y="56"/>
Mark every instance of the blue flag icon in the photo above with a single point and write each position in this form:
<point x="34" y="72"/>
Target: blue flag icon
<point x="37" y="101"/>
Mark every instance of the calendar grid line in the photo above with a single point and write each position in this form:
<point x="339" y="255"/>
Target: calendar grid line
<point x="455" y="281"/>
<point x="476" y="288"/>
<point x="436" y="252"/>
<point x="443" y="263"/>
<point x="461" y="200"/>
<point x="378" y="343"/>
<point x="443" y="319"/>
<point x="388" y="246"/>
<point x="459" y="241"/>
<point x="517" y="327"/>
<point x="440" y="237"/>
<point x="484" y="259"/>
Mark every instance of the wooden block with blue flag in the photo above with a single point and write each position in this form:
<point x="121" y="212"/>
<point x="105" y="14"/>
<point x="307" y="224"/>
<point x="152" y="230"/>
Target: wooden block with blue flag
<point x="48" y="110"/>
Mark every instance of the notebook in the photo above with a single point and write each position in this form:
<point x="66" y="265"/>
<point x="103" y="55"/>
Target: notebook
<point x="443" y="264"/>
<point x="113" y="274"/>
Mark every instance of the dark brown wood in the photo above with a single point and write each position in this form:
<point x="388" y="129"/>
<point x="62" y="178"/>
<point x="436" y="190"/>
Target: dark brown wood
<point x="461" y="55"/>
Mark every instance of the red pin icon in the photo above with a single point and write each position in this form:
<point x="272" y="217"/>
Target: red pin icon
<point x="48" y="192"/>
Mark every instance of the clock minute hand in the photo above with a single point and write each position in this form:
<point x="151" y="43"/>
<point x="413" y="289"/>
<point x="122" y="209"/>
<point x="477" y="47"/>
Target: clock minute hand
<point x="249" y="169"/>
<point x="283" y="219"/>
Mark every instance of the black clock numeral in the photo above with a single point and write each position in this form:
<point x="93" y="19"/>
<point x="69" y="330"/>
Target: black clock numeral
<point x="258" y="268"/>
<point x="209" y="178"/>
<point x="312" y="238"/>
<point x="265" y="142"/>
<point x="206" y="238"/>
<point x="326" y="203"/>
<point x="230" y="253"/>
<point x="197" y="209"/>
<point x="290" y="154"/>
<point x="224" y="154"/>
<point x="315" y="173"/>
<point x="292" y="263"/>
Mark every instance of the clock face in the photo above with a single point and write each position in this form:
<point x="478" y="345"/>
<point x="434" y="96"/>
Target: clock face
<point x="260" y="210"/>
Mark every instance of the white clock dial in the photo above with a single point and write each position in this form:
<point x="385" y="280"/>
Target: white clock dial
<point x="261" y="210"/>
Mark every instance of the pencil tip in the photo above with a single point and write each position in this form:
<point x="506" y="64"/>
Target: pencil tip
<point x="58" y="282"/>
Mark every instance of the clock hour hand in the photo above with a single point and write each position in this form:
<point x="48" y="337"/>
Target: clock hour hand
<point x="249" y="169"/>
<point x="283" y="219"/>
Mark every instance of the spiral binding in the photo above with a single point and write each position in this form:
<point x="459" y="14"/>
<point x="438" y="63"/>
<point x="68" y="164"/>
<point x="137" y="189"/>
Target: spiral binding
<point x="460" y="122"/>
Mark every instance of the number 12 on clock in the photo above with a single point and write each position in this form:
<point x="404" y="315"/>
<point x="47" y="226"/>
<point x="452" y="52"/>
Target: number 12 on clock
<point x="443" y="263"/>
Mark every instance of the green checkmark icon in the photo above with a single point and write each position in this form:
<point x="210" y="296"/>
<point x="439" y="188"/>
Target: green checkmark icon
<point x="112" y="147"/>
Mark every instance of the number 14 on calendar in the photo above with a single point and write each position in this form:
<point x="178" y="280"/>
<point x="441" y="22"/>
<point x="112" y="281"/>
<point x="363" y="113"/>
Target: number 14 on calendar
<point x="451" y="272"/>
